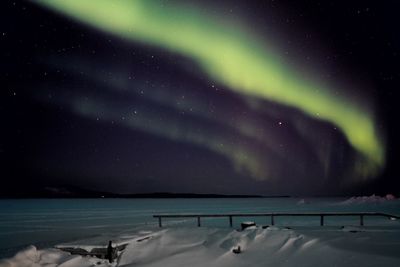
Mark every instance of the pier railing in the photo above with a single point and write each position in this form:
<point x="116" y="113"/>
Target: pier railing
<point x="273" y="215"/>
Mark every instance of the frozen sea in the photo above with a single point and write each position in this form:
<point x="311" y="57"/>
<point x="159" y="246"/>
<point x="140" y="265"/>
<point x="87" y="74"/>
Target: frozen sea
<point x="47" y="222"/>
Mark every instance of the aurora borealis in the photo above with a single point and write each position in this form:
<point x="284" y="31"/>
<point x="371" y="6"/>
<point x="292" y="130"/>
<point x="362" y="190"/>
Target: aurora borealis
<point x="196" y="96"/>
<point x="232" y="58"/>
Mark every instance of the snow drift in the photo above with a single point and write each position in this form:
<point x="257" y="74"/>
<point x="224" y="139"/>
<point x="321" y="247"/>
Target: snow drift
<point x="271" y="246"/>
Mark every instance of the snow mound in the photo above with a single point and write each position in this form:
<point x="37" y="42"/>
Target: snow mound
<point x="263" y="247"/>
<point x="31" y="257"/>
<point x="202" y="246"/>
<point x="369" y="199"/>
<point x="302" y="202"/>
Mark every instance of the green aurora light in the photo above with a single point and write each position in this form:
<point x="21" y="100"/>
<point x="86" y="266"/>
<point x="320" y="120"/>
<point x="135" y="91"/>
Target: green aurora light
<point x="233" y="57"/>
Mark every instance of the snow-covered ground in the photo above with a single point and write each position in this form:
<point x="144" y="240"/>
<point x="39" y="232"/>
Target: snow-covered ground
<point x="206" y="246"/>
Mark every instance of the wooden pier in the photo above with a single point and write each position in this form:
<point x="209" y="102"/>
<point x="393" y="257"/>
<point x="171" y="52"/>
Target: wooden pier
<point x="109" y="252"/>
<point x="273" y="215"/>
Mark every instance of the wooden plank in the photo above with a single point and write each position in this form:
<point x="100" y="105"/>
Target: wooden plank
<point x="110" y="252"/>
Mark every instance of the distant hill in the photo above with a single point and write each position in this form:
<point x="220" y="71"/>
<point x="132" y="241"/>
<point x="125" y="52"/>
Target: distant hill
<point x="76" y="192"/>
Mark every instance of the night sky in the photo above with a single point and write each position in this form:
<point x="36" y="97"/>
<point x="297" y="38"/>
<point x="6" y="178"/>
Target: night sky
<point x="228" y="97"/>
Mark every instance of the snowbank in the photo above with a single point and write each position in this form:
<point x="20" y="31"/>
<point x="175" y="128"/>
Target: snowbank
<point x="272" y="246"/>
<point x="31" y="257"/>
<point x="369" y="199"/>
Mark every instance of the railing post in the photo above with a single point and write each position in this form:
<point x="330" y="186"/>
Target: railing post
<point x="230" y="221"/>
<point x="322" y="220"/>
<point x="361" y="220"/>
<point x="159" y="222"/>
<point x="198" y="221"/>
<point x="272" y="220"/>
